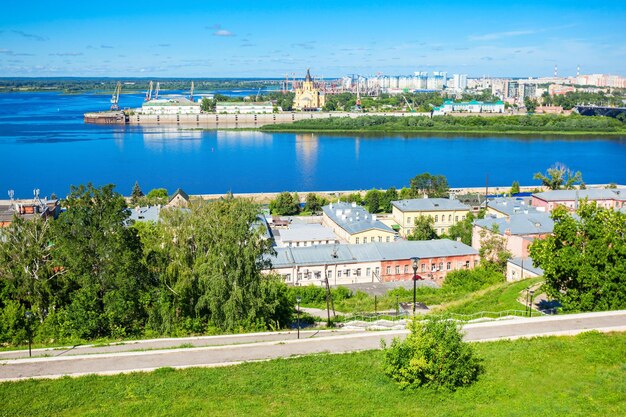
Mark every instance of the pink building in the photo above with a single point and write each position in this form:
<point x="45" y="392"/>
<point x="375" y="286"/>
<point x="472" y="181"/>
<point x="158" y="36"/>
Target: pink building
<point x="518" y="230"/>
<point x="607" y="198"/>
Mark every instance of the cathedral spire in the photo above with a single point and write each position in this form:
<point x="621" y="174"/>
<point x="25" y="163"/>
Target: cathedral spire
<point x="308" y="75"/>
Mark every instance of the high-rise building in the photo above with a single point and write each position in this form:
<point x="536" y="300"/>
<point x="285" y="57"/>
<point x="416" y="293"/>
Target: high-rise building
<point x="459" y="82"/>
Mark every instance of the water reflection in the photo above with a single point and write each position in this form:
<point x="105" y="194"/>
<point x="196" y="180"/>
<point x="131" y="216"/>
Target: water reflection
<point x="243" y="138"/>
<point x="306" y="155"/>
<point x="162" y="138"/>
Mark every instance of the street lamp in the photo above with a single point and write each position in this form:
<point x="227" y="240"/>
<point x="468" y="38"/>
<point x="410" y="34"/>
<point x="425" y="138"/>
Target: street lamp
<point x="298" y="299"/>
<point x="415" y="261"/>
<point x="28" y="315"/>
<point x="530" y="304"/>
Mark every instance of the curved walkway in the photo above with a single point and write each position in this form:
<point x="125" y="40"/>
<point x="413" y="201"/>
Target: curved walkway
<point x="338" y="342"/>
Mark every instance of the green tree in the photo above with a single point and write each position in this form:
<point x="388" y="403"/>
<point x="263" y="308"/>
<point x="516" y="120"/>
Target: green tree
<point x="373" y="200"/>
<point x="314" y="203"/>
<point x="136" y="194"/>
<point x="515" y="187"/>
<point x="285" y="204"/>
<point x="28" y="273"/>
<point x="427" y="184"/>
<point x="391" y="194"/>
<point x="584" y="260"/>
<point x="352" y="198"/>
<point x="559" y="176"/>
<point x="530" y="104"/>
<point x="424" y="229"/>
<point x="493" y="252"/>
<point x="215" y="256"/>
<point x="207" y="105"/>
<point x="433" y="355"/>
<point x="104" y="281"/>
<point x="156" y="196"/>
<point x="464" y="228"/>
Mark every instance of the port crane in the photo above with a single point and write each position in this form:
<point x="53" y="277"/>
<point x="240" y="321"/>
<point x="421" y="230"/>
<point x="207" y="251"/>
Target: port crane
<point x="156" y="92"/>
<point x="407" y="104"/>
<point x="191" y="92"/>
<point x="116" y="97"/>
<point x="149" y="92"/>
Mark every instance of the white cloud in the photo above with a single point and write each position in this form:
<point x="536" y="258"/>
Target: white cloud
<point x="500" y="35"/>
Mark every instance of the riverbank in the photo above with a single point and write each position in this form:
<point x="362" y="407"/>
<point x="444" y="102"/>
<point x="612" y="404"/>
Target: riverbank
<point x="573" y="125"/>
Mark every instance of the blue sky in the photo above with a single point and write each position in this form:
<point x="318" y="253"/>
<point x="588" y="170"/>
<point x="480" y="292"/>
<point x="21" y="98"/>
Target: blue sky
<point x="334" y="38"/>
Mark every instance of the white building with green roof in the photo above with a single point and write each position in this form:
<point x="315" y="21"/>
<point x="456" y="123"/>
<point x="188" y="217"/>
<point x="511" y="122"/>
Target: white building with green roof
<point x="170" y="106"/>
<point x="473" y="106"/>
<point x="239" y="107"/>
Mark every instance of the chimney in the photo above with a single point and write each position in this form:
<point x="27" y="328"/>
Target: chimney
<point x="354" y="204"/>
<point x="507" y="232"/>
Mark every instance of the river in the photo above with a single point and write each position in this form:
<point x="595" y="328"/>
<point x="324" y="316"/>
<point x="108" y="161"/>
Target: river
<point x="45" y="144"/>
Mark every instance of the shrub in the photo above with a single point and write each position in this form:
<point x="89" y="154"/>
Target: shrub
<point x="433" y="355"/>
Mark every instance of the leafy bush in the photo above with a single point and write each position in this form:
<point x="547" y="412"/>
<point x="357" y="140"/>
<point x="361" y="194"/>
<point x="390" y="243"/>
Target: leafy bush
<point x="433" y="355"/>
<point x="468" y="280"/>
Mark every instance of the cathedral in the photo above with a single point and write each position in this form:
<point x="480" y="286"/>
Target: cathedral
<point x="307" y="96"/>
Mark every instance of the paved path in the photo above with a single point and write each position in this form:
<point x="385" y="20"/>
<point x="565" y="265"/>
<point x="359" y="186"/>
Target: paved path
<point x="224" y="355"/>
<point x="169" y="343"/>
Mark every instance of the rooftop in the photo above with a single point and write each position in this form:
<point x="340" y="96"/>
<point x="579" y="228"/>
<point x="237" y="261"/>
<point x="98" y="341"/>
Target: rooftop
<point x="512" y="205"/>
<point x="370" y="252"/>
<point x="527" y="264"/>
<point x="307" y="232"/>
<point x="520" y="224"/>
<point x="170" y="102"/>
<point x="590" y="193"/>
<point x="145" y="214"/>
<point x="429" y="204"/>
<point x="354" y="218"/>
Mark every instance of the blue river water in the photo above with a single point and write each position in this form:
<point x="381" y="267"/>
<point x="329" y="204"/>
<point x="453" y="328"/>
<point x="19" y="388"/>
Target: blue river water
<point x="45" y="144"/>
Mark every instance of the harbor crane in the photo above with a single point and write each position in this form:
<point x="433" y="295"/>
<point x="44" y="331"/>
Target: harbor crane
<point x="191" y="92"/>
<point x="156" y="92"/>
<point x="407" y="104"/>
<point x="116" y="97"/>
<point x="149" y="92"/>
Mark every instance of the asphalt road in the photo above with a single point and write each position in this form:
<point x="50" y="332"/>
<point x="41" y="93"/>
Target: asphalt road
<point x="337" y="342"/>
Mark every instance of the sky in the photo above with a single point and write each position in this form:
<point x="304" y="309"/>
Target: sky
<point x="334" y="38"/>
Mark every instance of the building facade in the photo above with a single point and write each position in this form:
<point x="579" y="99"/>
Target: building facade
<point x="245" y="108"/>
<point x="607" y="198"/>
<point x="444" y="211"/>
<point x="170" y="106"/>
<point x="308" y="97"/>
<point x="353" y="224"/>
<point x="373" y="262"/>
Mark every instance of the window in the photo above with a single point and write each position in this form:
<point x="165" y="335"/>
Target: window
<point x="289" y="244"/>
<point x="299" y="276"/>
<point x="456" y="219"/>
<point x="437" y="218"/>
<point x="475" y="262"/>
<point x="329" y="274"/>
<point x="441" y="266"/>
<point x="347" y="273"/>
<point x="365" y="240"/>
<point x="462" y="217"/>
<point x="467" y="264"/>
<point x="368" y="272"/>
<point x="388" y="270"/>
<point x="408" y="221"/>
<point x="297" y="243"/>
<point x="397" y="269"/>
<point x="406" y="269"/>
<point x="433" y="267"/>
<point x="423" y="267"/>
<point x="357" y="241"/>
<point x="288" y="277"/>
<point x="377" y="271"/>
<point x="318" y="274"/>
<point x="338" y="274"/>
<point x="380" y="238"/>
<point x="449" y="266"/>
<point x="387" y="238"/>
<point x="449" y="217"/>
<point x="358" y="272"/>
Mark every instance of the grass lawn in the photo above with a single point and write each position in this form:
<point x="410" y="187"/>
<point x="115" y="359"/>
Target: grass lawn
<point x="499" y="297"/>
<point x="573" y="376"/>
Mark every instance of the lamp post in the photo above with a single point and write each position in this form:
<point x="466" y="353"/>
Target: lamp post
<point x="530" y="304"/>
<point x="298" y="299"/>
<point x="397" y="306"/>
<point x="415" y="261"/>
<point x="28" y="332"/>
